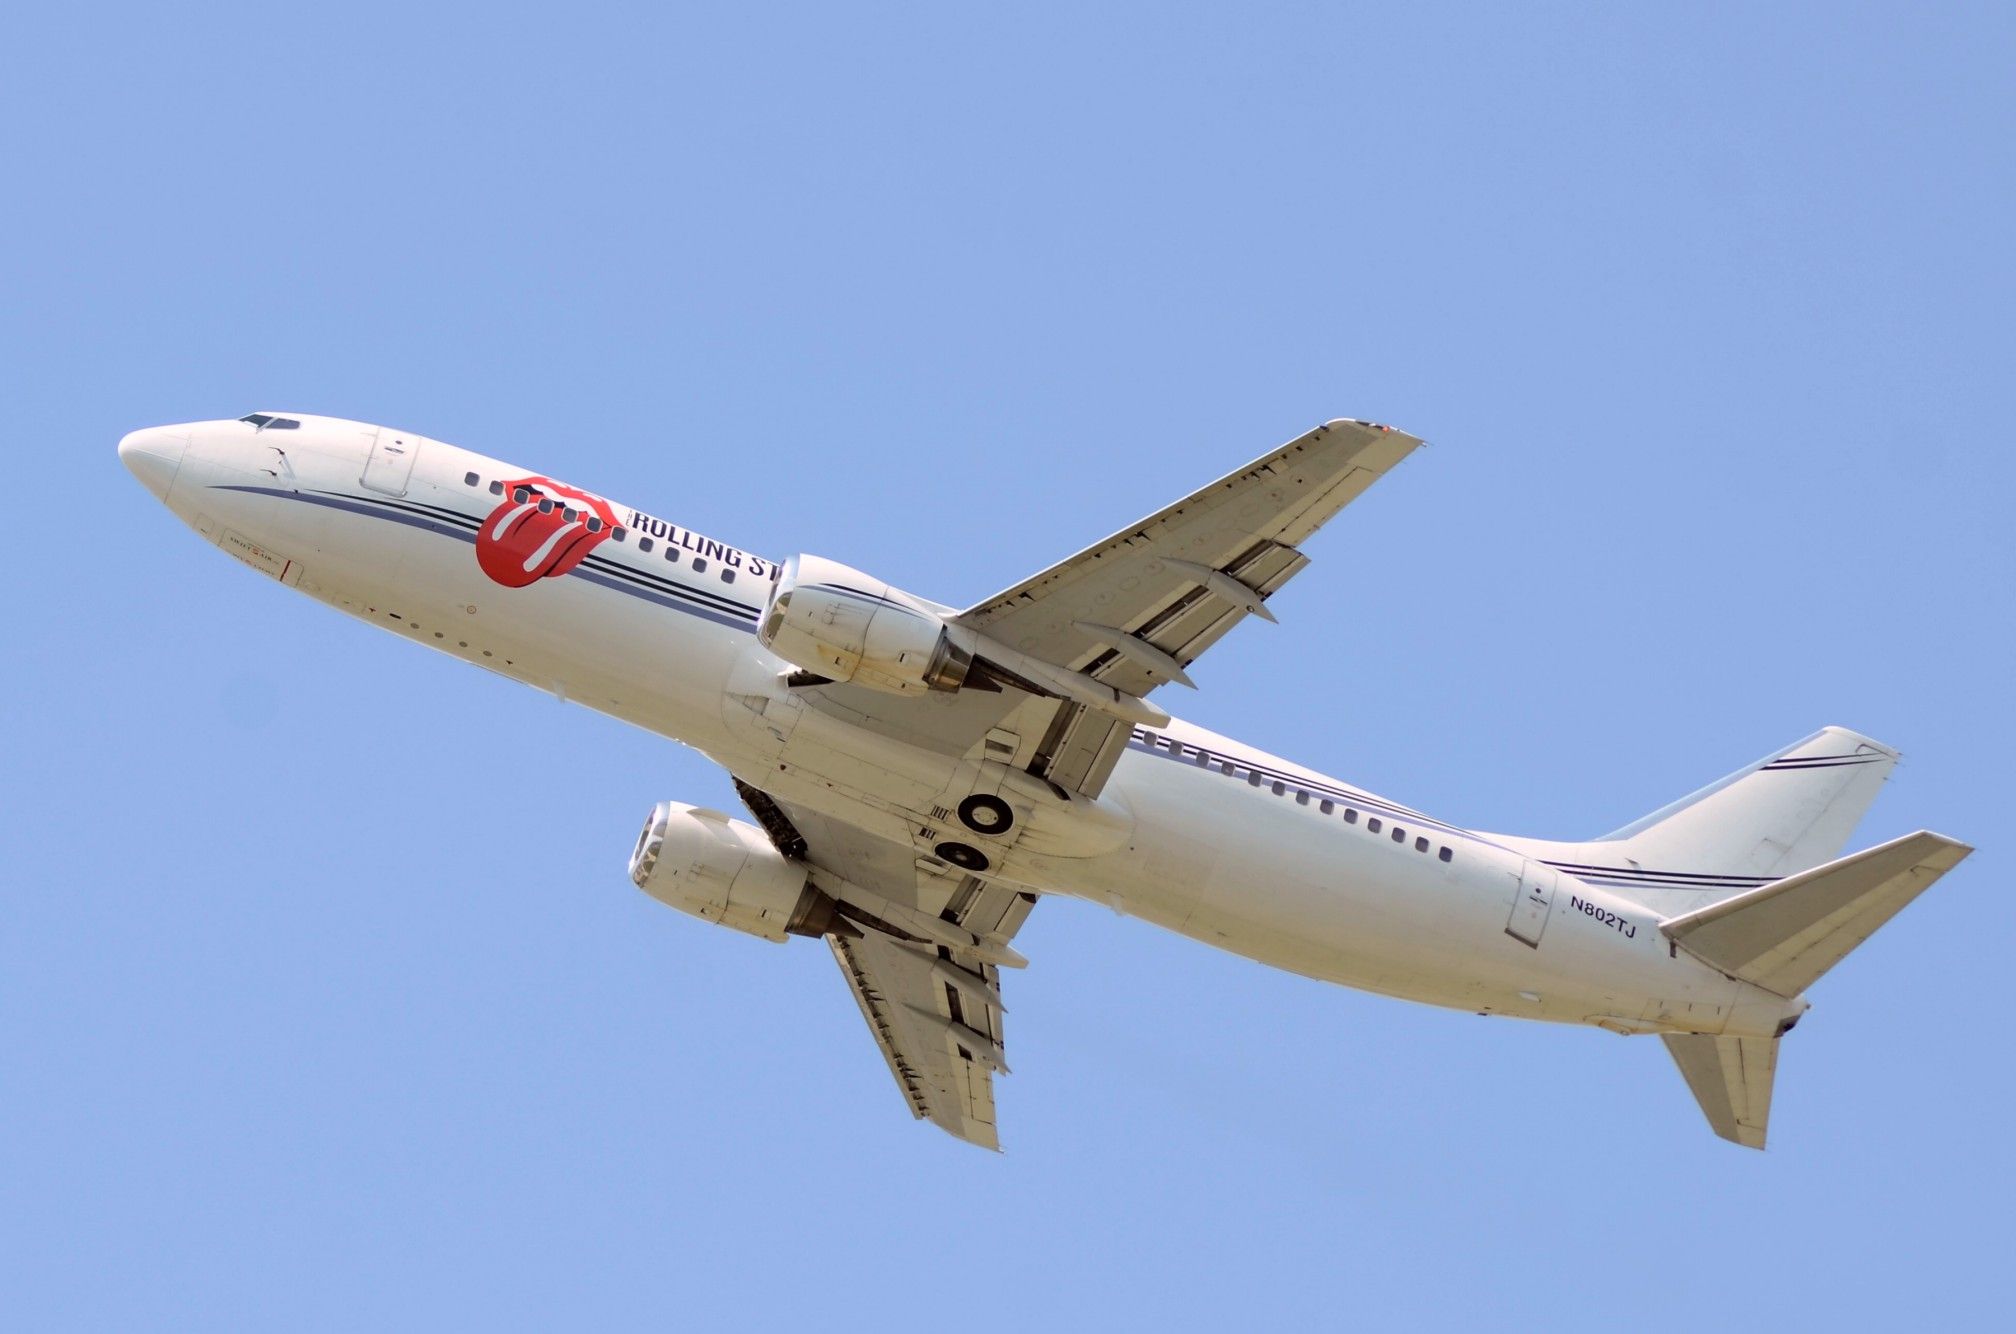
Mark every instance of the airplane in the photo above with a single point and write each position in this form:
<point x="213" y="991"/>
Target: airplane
<point x="918" y="776"/>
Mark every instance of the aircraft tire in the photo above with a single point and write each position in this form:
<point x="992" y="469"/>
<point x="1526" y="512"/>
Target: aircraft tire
<point x="986" y="814"/>
<point x="962" y="855"/>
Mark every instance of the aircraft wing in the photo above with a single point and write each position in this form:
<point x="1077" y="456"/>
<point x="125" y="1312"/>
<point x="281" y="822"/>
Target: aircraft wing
<point x="947" y="1079"/>
<point x="1135" y="610"/>
<point x="924" y="960"/>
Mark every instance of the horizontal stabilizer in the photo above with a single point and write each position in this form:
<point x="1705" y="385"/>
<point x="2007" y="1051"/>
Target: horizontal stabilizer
<point x="1783" y="936"/>
<point x="1731" y="1079"/>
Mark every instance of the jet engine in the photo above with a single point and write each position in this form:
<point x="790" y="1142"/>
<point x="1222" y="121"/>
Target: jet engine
<point x="726" y="871"/>
<point x="843" y="625"/>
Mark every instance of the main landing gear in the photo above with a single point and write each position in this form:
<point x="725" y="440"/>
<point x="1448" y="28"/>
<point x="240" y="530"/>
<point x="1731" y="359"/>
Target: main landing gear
<point x="985" y="814"/>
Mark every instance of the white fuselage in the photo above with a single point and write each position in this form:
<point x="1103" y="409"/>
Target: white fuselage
<point x="1200" y="834"/>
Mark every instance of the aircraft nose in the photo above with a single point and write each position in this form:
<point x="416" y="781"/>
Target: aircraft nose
<point x="154" y="455"/>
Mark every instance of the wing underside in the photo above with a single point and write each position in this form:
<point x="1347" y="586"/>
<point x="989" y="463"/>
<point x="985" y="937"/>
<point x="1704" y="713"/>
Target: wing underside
<point x="1134" y="611"/>
<point x="934" y="1009"/>
<point x="943" y="1046"/>
<point x="1077" y="647"/>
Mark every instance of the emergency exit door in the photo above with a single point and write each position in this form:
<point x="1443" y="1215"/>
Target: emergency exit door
<point x="389" y="465"/>
<point x="1535" y="901"/>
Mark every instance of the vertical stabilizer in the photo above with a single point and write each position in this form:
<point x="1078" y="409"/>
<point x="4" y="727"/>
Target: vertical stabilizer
<point x="1788" y="812"/>
<point x="1731" y="1078"/>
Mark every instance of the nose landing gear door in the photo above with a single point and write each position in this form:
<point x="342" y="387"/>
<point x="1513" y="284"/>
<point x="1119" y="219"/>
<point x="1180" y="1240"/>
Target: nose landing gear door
<point x="389" y="465"/>
<point x="1536" y="899"/>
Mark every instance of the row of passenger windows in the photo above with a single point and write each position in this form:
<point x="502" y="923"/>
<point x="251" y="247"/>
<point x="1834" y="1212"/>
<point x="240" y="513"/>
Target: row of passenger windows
<point x="617" y="532"/>
<point x="1303" y="797"/>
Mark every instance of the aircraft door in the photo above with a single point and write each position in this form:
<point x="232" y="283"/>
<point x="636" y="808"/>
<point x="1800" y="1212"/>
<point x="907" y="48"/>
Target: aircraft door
<point x="1535" y="901"/>
<point x="389" y="465"/>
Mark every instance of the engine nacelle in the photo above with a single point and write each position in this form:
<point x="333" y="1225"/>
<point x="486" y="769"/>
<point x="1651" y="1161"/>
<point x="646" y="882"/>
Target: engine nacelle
<point x="726" y="871"/>
<point x="844" y="625"/>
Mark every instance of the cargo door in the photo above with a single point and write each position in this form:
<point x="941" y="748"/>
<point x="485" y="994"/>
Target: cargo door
<point x="1535" y="901"/>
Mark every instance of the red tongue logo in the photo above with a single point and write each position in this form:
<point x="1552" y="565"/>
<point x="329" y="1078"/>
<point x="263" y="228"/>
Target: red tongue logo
<point x="542" y="530"/>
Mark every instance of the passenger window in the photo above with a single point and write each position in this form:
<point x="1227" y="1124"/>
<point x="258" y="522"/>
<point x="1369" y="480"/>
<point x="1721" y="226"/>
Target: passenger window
<point x="1373" y="824"/>
<point x="594" y="524"/>
<point x="699" y="565"/>
<point x="1253" y="777"/>
<point x="1445" y="854"/>
<point x="567" y="513"/>
<point x="545" y="504"/>
<point x="1420" y="845"/>
<point x="521" y="495"/>
<point x="470" y="479"/>
<point x="1327" y="807"/>
<point x="1301" y="798"/>
<point x="1350" y="815"/>
<point x="618" y="533"/>
<point x="1204" y="758"/>
<point x="644" y="544"/>
<point x="1279" y="787"/>
<point x="496" y="488"/>
<point x="1399" y="834"/>
<point x="727" y="576"/>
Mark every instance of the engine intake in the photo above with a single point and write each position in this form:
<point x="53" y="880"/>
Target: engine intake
<point x="849" y="627"/>
<point x="726" y="871"/>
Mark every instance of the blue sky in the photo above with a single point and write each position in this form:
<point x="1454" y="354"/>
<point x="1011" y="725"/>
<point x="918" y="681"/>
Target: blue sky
<point x="310" y="1019"/>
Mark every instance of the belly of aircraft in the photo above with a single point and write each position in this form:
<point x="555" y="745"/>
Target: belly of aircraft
<point x="1233" y="866"/>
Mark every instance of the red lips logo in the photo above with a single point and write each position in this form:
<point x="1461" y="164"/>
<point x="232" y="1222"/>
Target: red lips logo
<point x="542" y="530"/>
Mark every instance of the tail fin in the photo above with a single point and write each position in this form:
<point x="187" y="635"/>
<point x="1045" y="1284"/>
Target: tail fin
<point x="1787" y="812"/>
<point x="1790" y="811"/>
<point x="1782" y="937"/>
<point x="1731" y="1079"/>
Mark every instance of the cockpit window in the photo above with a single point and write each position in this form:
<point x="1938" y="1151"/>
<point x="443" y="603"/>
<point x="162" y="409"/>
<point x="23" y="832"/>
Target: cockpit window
<point x="265" y="422"/>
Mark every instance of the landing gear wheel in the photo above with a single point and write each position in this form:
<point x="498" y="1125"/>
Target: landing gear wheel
<point x="986" y="815"/>
<point x="962" y="855"/>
